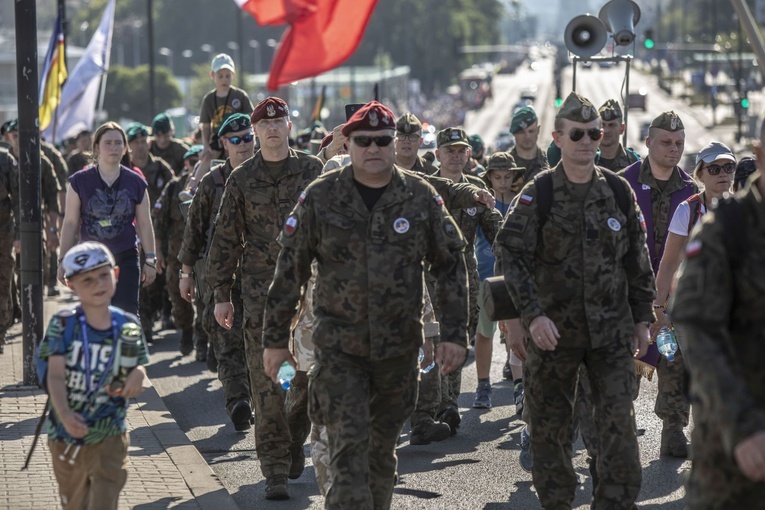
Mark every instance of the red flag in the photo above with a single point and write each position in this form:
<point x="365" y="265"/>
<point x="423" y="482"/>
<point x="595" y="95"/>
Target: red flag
<point x="321" y="36"/>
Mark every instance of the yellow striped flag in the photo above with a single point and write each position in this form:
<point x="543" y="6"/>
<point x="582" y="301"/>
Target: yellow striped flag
<point x="53" y="76"/>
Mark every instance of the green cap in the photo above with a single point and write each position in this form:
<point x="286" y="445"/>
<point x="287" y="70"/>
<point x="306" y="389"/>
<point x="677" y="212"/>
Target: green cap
<point x="408" y="124"/>
<point x="502" y="161"/>
<point x="194" y="150"/>
<point x="578" y="109"/>
<point x="668" y="121"/>
<point x="161" y="124"/>
<point x="135" y="130"/>
<point x="235" y="122"/>
<point x="610" y="110"/>
<point x="522" y="119"/>
<point x="452" y="136"/>
<point x="476" y="143"/>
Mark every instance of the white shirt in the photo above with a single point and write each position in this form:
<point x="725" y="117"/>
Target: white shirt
<point x="679" y="223"/>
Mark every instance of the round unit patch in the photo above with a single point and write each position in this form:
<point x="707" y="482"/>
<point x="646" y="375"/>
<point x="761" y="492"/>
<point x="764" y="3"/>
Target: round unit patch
<point x="471" y="211"/>
<point x="614" y="224"/>
<point x="401" y="225"/>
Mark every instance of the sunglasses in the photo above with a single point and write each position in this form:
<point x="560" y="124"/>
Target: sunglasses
<point x="366" y="141"/>
<point x="409" y="138"/>
<point x="577" y="134"/>
<point x="236" y="140"/>
<point x="728" y="168"/>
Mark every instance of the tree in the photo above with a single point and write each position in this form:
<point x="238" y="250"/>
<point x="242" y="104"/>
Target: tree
<point x="127" y="90"/>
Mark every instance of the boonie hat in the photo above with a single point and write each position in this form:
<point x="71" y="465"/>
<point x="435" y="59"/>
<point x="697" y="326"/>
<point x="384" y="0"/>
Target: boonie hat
<point x="408" y="124"/>
<point x="502" y="161"/>
<point x="161" y="124"/>
<point x="668" y="121"/>
<point x="713" y="151"/>
<point x="270" y="108"/>
<point x="522" y="119"/>
<point x="373" y="116"/>
<point x="452" y="136"/>
<point x="578" y="109"/>
<point x="222" y="61"/>
<point x="85" y="257"/>
<point x="233" y="123"/>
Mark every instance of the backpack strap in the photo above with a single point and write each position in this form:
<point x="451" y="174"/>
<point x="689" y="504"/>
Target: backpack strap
<point x="694" y="203"/>
<point x="623" y="198"/>
<point x="220" y="185"/>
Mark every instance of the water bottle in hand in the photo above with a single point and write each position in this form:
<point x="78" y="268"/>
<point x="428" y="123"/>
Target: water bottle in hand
<point x="666" y="343"/>
<point x="285" y="375"/>
<point x="420" y="359"/>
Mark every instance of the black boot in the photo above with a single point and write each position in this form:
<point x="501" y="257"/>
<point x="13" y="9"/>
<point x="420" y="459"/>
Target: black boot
<point x="187" y="342"/>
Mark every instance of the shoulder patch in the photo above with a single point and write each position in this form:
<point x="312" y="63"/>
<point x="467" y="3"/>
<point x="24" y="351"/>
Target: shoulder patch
<point x="526" y="199"/>
<point x="439" y="200"/>
<point x="693" y="248"/>
<point x="450" y="228"/>
<point x="291" y="225"/>
<point x="302" y="197"/>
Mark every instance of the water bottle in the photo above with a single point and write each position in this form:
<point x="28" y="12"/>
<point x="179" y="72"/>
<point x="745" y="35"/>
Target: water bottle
<point x="666" y="343"/>
<point x="129" y="348"/>
<point x="420" y="359"/>
<point x="285" y="375"/>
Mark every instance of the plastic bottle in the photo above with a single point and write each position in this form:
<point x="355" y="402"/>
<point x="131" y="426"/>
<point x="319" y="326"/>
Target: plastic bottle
<point x="667" y="343"/>
<point x="420" y="358"/>
<point x="285" y="375"/>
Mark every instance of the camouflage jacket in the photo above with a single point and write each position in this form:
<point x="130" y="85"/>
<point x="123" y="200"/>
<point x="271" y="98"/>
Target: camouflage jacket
<point x="455" y="194"/>
<point x="586" y="268"/>
<point x="173" y="154"/>
<point x="533" y="166"/>
<point x="622" y="160"/>
<point x="477" y="215"/>
<point x="423" y="166"/>
<point x="60" y="167"/>
<point x="157" y="174"/>
<point x="719" y="302"/>
<point x="368" y="297"/>
<point x="251" y="215"/>
<point x="49" y="187"/>
<point x="9" y="194"/>
<point x="168" y="220"/>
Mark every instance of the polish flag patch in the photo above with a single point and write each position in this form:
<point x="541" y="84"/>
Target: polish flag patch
<point x="526" y="199"/>
<point x="301" y="198"/>
<point x="290" y="225"/>
<point x="693" y="248"/>
<point x="439" y="200"/>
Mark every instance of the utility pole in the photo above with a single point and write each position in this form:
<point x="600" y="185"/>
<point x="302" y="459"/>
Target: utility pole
<point x="152" y="79"/>
<point x="29" y="184"/>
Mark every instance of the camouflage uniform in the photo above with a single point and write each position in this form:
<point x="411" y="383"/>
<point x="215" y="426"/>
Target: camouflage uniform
<point x="252" y="213"/>
<point x="172" y="155"/>
<point x="228" y="344"/>
<point x="368" y="305"/>
<point x="532" y="166"/>
<point x="423" y="166"/>
<point x="719" y="300"/>
<point x="622" y="160"/>
<point x="78" y="160"/>
<point x="569" y="270"/>
<point x="9" y="231"/>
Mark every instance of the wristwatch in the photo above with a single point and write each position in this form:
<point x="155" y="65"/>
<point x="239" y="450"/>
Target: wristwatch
<point x="151" y="260"/>
<point x="183" y="275"/>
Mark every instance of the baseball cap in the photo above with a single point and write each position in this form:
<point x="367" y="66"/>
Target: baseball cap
<point x="452" y="136"/>
<point x="222" y="61"/>
<point x="85" y="257"/>
<point x="713" y="151"/>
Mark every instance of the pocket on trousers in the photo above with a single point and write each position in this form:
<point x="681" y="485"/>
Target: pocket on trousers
<point x="315" y="412"/>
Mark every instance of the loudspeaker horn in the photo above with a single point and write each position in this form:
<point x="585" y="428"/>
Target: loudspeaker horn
<point x="620" y="18"/>
<point x="585" y="35"/>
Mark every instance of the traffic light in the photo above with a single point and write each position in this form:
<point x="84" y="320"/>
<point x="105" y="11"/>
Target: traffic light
<point x="745" y="102"/>
<point x="648" y="41"/>
<point x="558" y="102"/>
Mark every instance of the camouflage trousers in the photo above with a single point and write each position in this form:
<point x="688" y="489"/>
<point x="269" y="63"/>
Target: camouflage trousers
<point x="150" y="303"/>
<point x="672" y="404"/>
<point x="228" y="346"/>
<point x="550" y="386"/>
<point x="428" y="397"/>
<point x="273" y="433"/>
<point x="6" y="288"/>
<point x="183" y="311"/>
<point x="364" y="405"/>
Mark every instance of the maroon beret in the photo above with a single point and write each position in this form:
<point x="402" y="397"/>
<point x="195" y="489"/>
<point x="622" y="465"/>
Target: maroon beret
<point x="270" y="108"/>
<point x="372" y="116"/>
<point x="326" y="141"/>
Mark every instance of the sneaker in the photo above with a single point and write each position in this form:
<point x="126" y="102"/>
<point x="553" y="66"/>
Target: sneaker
<point x="429" y="431"/>
<point x="482" y="396"/>
<point x="452" y="418"/>
<point x="297" y="455"/>
<point x="187" y="342"/>
<point x="674" y="443"/>
<point x="241" y="415"/>
<point x="526" y="460"/>
<point x="276" y="488"/>
<point x="507" y="372"/>
<point x="519" y="397"/>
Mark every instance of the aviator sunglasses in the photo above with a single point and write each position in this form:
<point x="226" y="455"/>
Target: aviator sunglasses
<point x="728" y="168"/>
<point x="366" y="141"/>
<point x="577" y="134"/>
<point x="236" y="140"/>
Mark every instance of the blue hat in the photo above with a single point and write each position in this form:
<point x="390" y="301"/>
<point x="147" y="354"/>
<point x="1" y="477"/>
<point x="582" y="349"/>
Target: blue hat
<point x="194" y="150"/>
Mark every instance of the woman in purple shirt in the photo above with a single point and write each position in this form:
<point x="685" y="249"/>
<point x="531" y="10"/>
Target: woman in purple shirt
<point x="109" y="203"/>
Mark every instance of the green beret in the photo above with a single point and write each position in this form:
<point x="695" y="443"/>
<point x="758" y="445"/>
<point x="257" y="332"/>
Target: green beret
<point x="135" y="130"/>
<point x="161" y="124"/>
<point x="522" y="119"/>
<point x="668" y="121"/>
<point x="235" y="122"/>
<point x="502" y="161"/>
<point x="610" y="110"/>
<point x="408" y="124"/>
<point x="578" y="109"/>
<point x="476" y="143"/>
<point x="194" y="150"/>
<point x="10" y="126"/>
<point x="452" y="136"/>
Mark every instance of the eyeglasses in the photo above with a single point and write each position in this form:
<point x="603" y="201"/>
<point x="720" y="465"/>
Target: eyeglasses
<point x="236" y="140"/>
<point x="409" y="138"/>
<point x="728" y="168"/>
<point x="577" y="134"/>
<point x="366" y="141"/>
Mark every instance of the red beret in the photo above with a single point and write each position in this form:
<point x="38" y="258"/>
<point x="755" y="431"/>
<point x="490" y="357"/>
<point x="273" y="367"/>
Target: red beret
<point x="372" y="116"/>
<point x="326" y="141"/>
<point x="270" y="108"/>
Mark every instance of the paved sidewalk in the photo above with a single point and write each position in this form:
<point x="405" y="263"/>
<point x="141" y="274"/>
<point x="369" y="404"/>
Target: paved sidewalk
<point x="165" y="469"/>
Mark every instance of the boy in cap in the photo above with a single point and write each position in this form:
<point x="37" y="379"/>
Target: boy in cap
<point x="524" y="126"/>
<point x="87" y="434"/>
<point x="660" y="185"/>
<point x="164" y="145"/>
<point x="612" y="155"/>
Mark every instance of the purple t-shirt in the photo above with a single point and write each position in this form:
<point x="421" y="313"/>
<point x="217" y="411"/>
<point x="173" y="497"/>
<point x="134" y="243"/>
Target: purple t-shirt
<point x="107" y="213"/>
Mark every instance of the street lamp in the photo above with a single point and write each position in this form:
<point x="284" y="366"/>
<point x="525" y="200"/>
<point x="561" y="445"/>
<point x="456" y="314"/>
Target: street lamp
<point x="167" y="52"/>
<point x="258" y="55"/>
<point x="207" y="49"/>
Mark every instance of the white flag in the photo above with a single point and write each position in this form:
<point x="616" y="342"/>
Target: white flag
<point x="79" y="95"/>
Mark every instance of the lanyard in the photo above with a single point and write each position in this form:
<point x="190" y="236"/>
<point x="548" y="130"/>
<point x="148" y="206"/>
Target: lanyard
<point x="86" y="354"/>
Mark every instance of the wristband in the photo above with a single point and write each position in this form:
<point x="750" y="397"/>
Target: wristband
<point x="150" y="255"/>
<point x="659" y="306"/>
